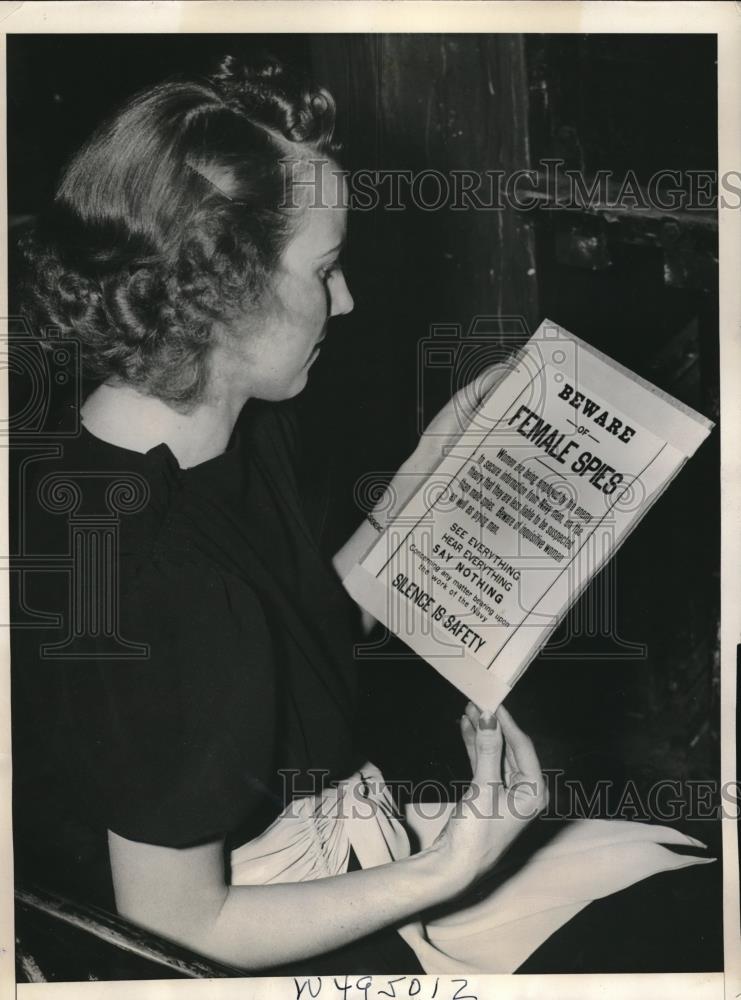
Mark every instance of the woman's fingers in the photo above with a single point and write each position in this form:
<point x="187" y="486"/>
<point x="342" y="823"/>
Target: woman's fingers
<point x="488" y="751"/>
<point x="468" y="732"/>
<point x="508" y="766"/>
<point x="522" y="767"/>
<point x="473" y="712"/>
<point x="510" y="761"/>
<point x="491" y="378"/>
<point x="523" y="774"/>
<point x="472" y="395"/>
<point x="519" y="752"/>
<point x="525" y="758"/>
<point x="480" y="387"/>
<point x="496" y="745"/>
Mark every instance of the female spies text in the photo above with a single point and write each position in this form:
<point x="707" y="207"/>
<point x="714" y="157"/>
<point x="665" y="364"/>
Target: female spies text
<point x="601" y="475"/>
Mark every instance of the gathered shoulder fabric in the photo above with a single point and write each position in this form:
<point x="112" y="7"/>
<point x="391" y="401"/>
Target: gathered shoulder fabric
<point x="202" y="675"/>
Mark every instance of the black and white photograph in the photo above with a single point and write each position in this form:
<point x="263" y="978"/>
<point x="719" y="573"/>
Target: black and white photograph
<point x="366" y="416"/>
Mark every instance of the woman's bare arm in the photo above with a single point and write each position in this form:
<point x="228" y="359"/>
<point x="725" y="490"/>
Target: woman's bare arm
<point x="181" y="893"/>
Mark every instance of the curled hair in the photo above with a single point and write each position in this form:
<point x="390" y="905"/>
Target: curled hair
<point x="173" y="216"/>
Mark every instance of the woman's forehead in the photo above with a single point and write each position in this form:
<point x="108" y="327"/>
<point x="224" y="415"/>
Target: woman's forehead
<point x="321" y="230"/>
<point x="315" y="182"/>
<point x="320" y="197"/>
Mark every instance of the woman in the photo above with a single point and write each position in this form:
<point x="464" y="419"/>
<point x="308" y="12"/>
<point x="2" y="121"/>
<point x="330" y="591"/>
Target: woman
<point x="188" y="251"/>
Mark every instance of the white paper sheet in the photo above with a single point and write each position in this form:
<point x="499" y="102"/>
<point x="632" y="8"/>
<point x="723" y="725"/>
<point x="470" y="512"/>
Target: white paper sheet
<point x="559" y="464"/>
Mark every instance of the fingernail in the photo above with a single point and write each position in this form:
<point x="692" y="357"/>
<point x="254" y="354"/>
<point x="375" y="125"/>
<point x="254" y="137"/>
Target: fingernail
<point x="487" y="721"/>
<point x="698" y="843"/>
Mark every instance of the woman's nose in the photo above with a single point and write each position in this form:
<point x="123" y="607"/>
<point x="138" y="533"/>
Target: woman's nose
<point x="342" y="300"/>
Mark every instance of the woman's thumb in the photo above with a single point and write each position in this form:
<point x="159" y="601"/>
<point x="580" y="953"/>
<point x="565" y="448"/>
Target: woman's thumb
<point x="488" y="749"/>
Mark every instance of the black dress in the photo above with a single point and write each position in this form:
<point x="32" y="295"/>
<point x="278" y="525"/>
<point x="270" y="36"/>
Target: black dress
<point x="200" y="673"/>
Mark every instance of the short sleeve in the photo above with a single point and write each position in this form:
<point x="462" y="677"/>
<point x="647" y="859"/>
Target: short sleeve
<point x="177" y="748"/>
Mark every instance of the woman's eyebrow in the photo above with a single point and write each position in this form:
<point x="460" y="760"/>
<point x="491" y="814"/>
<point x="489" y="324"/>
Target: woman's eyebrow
<point x="326" y="253"/>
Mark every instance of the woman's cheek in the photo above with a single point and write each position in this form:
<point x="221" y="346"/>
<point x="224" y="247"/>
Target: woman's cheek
<point x="308" y="311"/>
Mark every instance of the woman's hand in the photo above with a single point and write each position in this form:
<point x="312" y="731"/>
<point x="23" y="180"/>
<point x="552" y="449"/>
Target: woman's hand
<point x="507" y="792"/>
<point x="444" y="430"/>
<point x="438" y="438"/>
<point x="440" y="435"/>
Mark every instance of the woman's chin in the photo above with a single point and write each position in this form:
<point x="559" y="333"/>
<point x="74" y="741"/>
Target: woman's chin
<point x="300" y="382"/>
<point x="297" y="389"/>
<point x="276" y="394"/>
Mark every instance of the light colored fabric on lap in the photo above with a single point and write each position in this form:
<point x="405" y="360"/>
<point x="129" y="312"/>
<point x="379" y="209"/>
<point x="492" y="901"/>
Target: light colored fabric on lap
<point x="586" y="860"/>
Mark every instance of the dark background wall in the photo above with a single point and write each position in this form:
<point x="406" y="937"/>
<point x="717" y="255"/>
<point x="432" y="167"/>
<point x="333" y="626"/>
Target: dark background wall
<point x="640" y="286"/>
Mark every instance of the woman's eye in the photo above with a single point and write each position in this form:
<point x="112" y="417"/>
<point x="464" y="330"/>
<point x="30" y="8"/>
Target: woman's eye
<point x="326" y="273"/>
